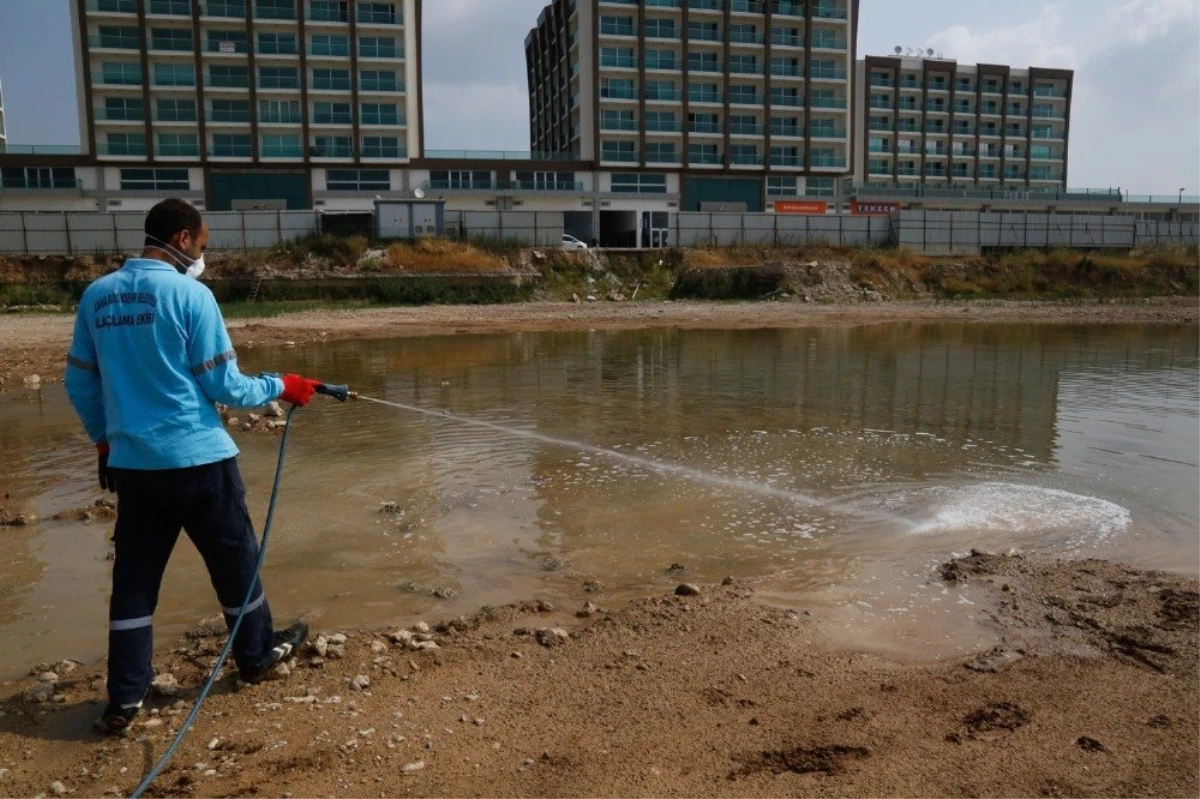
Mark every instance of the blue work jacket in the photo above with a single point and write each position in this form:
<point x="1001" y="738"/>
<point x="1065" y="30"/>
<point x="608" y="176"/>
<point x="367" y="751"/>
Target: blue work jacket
<point x="149" y="360"/>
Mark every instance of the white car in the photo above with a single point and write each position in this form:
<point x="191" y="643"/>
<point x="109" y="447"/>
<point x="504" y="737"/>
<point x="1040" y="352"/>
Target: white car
<point x="572" y="243"/>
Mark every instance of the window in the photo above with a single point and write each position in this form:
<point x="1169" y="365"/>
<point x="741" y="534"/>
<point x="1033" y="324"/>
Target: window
<point x="36" y="177"/>
<point x="118" y="38"/>
<point x="121" y="73"/>
<point x="331" y="79"/>
<point x="222" y="75"/>
<point x="174" y="110"/>
<point x="744" y="32"/>
<point x="704" y="123"/>
<point x="380" y="114"/>
<point x="661" y="121"/>
<point x="744" y="64"/>
<point x="704" y="93"/>
<point x="379" y="81"/>
<point x="278" y="78"/>
<point x="786" y="96"/>
<point x="621" y="151"/>
<point x="546" y="181"/>
<point x="232" y="9"/>
<point x="639" y="183"/>
<point x="176" y="39"/>
<point x="329" y="11"/>
<point x="742" y="124"/>
<point x="460" y="179"/>
<point x="358" y="180"/>
<point x="781" y="186"/>
<point x="744" y="95"/>
<point x="381" y="147"/>
<point x="117" y="6"/>
<point x="230" y="111"/>
<point x="661" y="59"/>
<point x="282" y="145"/>
<point x="785" y="126"/>
<point x="279" y="112"/>
<point x="275" y="9"/>
<point x="660" y="29"/>
<point x="378" y="47"/>
<point x="784" y="65"/>
<point x="377" y="13"/>
<point x="277" y="43"/>
<point x="126" y="144"/>
<point x="180" y="8"/>
<point x="177" y="145"/>
<point x="226" y="42"/>
<point x="661" y="153"/>
<point x="617" y="89"/>
<point x="744" y="154"/>
<point x="619" y="57"/>
<point x="174" y="75"/>
<point x="703" y="154"/>
<point x="128" y="109"/>
<point x="232" y="145"/>
<point x="331" y="113"/>
<point x="329" y="45"/>
<point x="617" y="26"/>
<point x="827" y="39"/>
<point x="661" y="90"/>
<point x="704" y="31"/>
<point x="617" y="119"/>
<point x="818" y="187"/>
<point x="333" y="147"/>
<point x="787" y="37"/>
<point x="154" y="180"/>
<point x="703" y="62"/>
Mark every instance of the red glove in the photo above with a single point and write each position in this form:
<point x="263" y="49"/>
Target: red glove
<point x="298" y="390"/>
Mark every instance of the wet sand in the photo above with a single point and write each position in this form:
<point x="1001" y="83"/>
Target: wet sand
<point x="1091" y="690"/>
<point x="36" y="343"/>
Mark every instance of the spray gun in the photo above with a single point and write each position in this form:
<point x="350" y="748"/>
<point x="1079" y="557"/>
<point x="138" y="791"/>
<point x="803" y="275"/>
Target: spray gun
<point x="339" y="393"/>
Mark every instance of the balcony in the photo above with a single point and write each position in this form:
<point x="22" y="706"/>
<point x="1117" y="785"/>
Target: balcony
<point x="119" y="115"/>
<point x="663" y="126"/>
<point x="173" y="8"/>
<point x="669" y="156"/>
<point x="745" y="129"/>
<point x="745" y="99"/>
<point x="786" y="40"/>
<point x="44" y="149"/>
<point x="704" y="96"/>
<point x="609" y="28"/>
<point x="109" y="42"/>
<point x="704" y="5"/>
<point x="698" y="34"/>
<point x="662" y="64"/>
<point x="112" y="6"/>
<point x="704" y="127"/>
<point x="747" y="6"/>
<point x="113" y="149"/>
<point x="827" y="74"/>
<point x="279" y="82"/>
<point x="704" y="158"/>
<point x="626" y="125"/>
<point x="618" y="93"/>
<point x="746" y="159"/>
<point x="294" y="151"/>
<point x="1048" y="113"/>
<point x="283" y="12"/>
<point x="368" y="16"/>
<point x="245" y="150"/>
<point x="384" y="151"/>
<point x="828" y="102"/>
<point x="663" y="95"/>
<point x="829" y="43"/>
<point x="330" y="50"/>
<point x="829" y="12"/>
<point x="504" y="185"/>
<point x="227" y="82"/>
<point x="787" y="100"/>
<point x="326" y="118"/>
<point x="618" y="61"/>
<point x="229" y="116"/>
<point x="786" y="131"/>
<point x="185" y="115"/>
<point x="1046" y="91"/>
<point x="745" y="69"/>
<point x="659" y="34"/>
<point x="178" y="150"/>
<point x="746" y="37"/>
<point x="618" y="156"/>
<point x="381" y="85"/>
<point x="330" y="84"/>
<point x="224" y="47"/>
<point x="279" y="118"/>
<point x="827" y="133"/>
<point x="828" y="162"/>
<point x="787" y="71"/>
<point x="787" y="160"/>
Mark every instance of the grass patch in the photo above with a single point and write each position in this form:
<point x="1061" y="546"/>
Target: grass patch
<point x="444" y="256"/>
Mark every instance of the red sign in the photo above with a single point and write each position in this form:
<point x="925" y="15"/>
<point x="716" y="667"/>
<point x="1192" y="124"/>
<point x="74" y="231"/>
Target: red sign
<point x="873" y="209"/>
<point x="801" y="207"/>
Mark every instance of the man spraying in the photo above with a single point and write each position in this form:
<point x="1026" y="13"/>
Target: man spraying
<point x="149" y="360"/>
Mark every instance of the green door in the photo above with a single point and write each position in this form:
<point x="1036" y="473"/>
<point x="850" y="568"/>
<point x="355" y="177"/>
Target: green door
<point x="226" y="187"/>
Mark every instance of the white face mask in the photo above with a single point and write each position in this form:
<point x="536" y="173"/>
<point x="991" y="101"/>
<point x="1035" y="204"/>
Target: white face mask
<point x="194" y="269"/>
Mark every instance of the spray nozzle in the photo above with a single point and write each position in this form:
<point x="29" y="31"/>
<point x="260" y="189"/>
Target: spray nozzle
<point x="339" y="393"/>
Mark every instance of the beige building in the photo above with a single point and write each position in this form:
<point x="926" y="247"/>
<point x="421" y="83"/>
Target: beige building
<point x="936" y="122"/>
<point x="249" y="101"/>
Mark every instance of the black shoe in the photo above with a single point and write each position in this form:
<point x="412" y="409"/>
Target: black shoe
<point x="287" y="643"/>
<point x="117" y="718"/>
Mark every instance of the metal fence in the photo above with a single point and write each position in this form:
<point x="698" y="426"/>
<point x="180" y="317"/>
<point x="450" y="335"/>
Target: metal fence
<point x="714" y="229"/>
<point x="533" y="228"/>
<point x="100" y="233"/>
<point x="969" y="232"/>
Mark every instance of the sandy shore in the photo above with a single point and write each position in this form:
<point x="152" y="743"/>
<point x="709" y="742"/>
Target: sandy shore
<point x="36" y="344"/>
<point x="1092" y="690"/>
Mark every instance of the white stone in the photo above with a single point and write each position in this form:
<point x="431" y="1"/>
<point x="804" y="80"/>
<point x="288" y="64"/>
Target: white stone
<point x="413" y="768"/>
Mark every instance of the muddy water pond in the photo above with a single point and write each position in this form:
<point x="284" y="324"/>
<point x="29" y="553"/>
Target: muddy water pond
<point x="840" y="465"/>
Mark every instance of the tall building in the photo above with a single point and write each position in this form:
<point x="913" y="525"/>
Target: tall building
<point x="249" y="102"/>
<point x="745" y="99"/>
<point x="3" y="135"/>
<point x="937" y="122"/>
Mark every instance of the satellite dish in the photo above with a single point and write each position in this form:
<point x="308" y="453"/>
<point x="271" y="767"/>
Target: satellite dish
<point x="419" y="193"/>
<point x="899" y="49"/>
<point x="929" y="52"/>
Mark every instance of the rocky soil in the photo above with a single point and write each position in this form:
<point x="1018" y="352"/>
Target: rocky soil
<point x="1091" y="690"/>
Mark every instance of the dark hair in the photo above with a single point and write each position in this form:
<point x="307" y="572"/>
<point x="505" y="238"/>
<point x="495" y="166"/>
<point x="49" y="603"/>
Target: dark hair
<point x="168" y="218"/>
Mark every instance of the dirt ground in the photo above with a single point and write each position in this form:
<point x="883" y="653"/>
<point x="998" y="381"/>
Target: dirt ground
<point x="1092" y="690"/>
<point x="36" y="344"/>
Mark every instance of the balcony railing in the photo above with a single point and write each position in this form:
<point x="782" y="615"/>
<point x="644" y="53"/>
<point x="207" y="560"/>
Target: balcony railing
<point x="703" y="96"/>
<point x="618" y="93"/>
<point x="618" y="61"/>
<point x="828" y="161"/>
<point x="829" y="12"/>
<point x="227" y="47"/>
<point x="663" y="126"/>
<point x="704" y="158"/>
<point x="245" y="150"/>
<point x="120" y="114"/>
<point x="328" y="50"/>
<point x="786" y="131"/>
<point x="384" y="151"/>
<point x="745" y="129"/>
<point x="827" y="133"/>
<point x="44" y="149"/>
<point x="745" y="99"/>
<point x="828" y="102"/>
<point x="105" y="148"/>
<point x="504" y="185"/>
<point x="704" y="127"/>
<point x="184" y="115"/>
<point x="114" y="42"/>
<point x="294" y="151"/>
<point x="787" y="100"/>
<point x="619" y="124"/>
<point x="370" y="16"/>
<point x="825" y="73"/>
<point x="228" y="115"/>
<point x="180" y="150"/>
<point x="333" y="119"/>
<point x="787" y="40"/>
<point x="664" y="95"/>
<point x="787" y="160"/>
<point x="330" y="84"/>
<point x="112" y="6"/>
<point x="618" y="156"/>
<point x="662" y="157"/>
<point x="224" y="10"/>
<point x="746" y="159"/>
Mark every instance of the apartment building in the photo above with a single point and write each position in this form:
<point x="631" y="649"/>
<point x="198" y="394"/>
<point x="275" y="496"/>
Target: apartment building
<point x="249" y="102"/>
<point x="3" y="135"/>
<point x="737" y="101"/>
<point x="936" y="122"/>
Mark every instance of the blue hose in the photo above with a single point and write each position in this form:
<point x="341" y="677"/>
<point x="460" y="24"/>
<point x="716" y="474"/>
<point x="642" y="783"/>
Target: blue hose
<point x="212" y="678"/>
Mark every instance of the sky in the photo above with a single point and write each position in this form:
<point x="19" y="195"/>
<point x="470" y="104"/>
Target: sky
<point x="1135" y="116"/>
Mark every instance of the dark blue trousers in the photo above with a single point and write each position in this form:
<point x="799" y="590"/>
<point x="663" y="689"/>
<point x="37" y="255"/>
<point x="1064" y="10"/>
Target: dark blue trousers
<point x="209" y="502"/>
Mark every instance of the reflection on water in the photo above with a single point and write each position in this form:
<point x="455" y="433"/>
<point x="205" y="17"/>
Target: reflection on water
<point x="915" y="441"/>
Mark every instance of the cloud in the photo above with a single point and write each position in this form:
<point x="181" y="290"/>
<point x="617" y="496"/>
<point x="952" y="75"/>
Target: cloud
<point x="1039" y="42"/>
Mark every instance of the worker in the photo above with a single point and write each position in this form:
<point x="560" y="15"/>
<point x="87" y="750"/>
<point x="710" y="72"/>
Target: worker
<point x="149" y="361"/>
